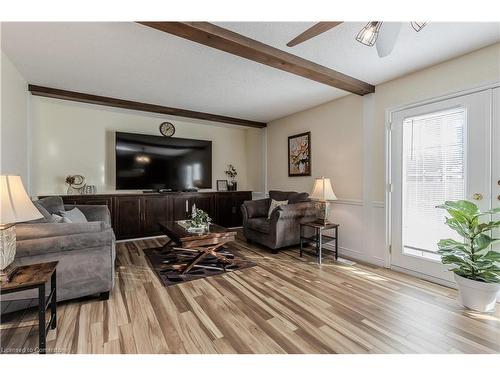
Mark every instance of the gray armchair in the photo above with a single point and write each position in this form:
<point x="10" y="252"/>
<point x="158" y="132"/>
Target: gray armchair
<point x="281" y="229"/>
<point x="85" y="251"/>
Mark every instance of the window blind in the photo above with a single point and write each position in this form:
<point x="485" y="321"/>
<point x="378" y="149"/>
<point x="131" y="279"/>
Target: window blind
<point x="433" y="172"/>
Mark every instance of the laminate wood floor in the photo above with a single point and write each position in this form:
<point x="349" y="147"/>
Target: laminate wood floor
<point x="285" y="304"/>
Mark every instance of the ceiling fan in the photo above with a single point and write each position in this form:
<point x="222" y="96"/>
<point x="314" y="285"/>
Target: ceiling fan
<point x="384" y="38"/>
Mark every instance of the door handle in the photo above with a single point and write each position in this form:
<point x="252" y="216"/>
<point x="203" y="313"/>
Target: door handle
<point x="187" y="206"/>
<point x="477" y="196"/>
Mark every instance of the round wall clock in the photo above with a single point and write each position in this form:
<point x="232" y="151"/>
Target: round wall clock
<point x="167" y="129"/>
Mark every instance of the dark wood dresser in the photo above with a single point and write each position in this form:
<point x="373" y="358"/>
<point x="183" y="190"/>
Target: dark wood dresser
<point x="137" y="215"/>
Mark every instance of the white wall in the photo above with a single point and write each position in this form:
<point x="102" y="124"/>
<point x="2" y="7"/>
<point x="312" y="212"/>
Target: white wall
<point x="14" y="122"/>
<point x="336" y="147"/>
<point x="348" y="145"/>
<point x="472" y="70"/>
<point x="76" y="138"/>
<point x="256" y="155"/>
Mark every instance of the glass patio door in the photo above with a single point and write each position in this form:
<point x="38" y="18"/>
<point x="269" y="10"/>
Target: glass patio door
<point x="439" y="152"/>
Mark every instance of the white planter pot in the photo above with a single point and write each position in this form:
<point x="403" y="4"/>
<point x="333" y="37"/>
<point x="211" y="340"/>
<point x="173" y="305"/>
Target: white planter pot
<point x="477" y="295"/>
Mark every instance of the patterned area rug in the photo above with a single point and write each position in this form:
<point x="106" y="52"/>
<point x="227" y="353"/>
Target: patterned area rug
<point x="166" y="262"/>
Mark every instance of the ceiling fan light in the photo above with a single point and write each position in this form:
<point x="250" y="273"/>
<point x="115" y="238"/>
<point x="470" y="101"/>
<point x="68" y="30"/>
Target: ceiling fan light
<point x="369" y="33"/>
<point x="418" y="25"/>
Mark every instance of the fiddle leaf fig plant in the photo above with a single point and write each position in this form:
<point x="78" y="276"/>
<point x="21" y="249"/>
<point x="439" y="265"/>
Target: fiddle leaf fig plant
<point x="473" y="258"/>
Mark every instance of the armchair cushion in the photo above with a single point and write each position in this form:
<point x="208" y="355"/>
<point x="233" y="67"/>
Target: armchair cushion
<point x="290" y="196"/>
<point x="256" y="208"/>
<point x="297" y="211"/>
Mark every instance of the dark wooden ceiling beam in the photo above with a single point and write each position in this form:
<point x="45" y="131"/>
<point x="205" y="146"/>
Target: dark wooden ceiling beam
<point x="313" y="31"/>
<point x="225" y="40"/>
<point x="138" y="106"/>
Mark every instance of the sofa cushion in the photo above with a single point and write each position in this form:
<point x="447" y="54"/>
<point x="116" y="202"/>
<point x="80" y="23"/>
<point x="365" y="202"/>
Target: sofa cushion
<point x="33" y="231"/>
<point x="47" y="216"/>
<point x="73" y="216"/>
<point x="51" y="204"/>
<point x="59" y="244"/>
<point x="260" y="224"/>
<point x="290" y="196"/>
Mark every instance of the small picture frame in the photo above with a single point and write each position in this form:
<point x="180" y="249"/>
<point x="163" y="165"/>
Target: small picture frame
<point x="222" y="185"/>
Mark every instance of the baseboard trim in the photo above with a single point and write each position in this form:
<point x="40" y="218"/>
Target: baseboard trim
<point x="435" y="280"/>
<point x="358" y="255"/>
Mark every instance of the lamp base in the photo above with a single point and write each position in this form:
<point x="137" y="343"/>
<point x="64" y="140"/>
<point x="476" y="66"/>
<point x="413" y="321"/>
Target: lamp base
<point x="323" y="209"/>
<point x="7" y="251"/>
<point x="7" y="274"/>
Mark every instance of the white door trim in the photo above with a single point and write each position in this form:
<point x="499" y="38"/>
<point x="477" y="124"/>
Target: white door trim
<point x="388" y="178"/>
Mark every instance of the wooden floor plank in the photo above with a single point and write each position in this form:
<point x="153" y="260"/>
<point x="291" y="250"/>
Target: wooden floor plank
<point x="286" y="304"/>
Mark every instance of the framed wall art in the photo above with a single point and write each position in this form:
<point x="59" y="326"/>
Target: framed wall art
<point x="299" y="155"/>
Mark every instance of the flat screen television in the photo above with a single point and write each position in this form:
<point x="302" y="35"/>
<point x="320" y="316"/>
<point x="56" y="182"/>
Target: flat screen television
<point x="157" y="163"/>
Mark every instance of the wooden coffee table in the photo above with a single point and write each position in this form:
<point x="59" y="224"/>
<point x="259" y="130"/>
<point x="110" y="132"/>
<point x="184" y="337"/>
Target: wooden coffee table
<point x="204" y="244"/>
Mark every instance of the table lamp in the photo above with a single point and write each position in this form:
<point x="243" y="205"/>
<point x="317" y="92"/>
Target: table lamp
<point x="323" y="193"/>
<point x="15" y="207"/>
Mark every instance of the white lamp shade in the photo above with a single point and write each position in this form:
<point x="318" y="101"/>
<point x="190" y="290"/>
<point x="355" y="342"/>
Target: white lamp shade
<point x="15" y="204"/>
<point x="323" y="190"/>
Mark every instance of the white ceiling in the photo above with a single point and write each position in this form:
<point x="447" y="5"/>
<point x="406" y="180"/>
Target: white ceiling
<point x="131" y="61"/>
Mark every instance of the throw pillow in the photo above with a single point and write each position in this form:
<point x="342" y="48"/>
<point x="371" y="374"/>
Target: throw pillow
<point x="57" y="218"/>
<point x="47" y="217"/>
<point x="52" y="204"/>
<point x="275" y="204"/>
<point x="74" y="216"/>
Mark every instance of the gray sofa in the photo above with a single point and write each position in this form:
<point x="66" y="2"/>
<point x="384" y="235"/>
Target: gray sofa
<point x="282" y="228"/>
<point x="85" y="251"/>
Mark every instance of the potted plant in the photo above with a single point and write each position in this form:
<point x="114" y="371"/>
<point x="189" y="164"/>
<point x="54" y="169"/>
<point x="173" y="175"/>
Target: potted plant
<point x="231" y="173"/>
<point x="476" y="265"/>
<point x="199" y="220"/>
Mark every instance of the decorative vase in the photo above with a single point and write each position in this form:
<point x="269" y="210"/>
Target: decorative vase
<point x="232" y="186"/>
<point x="477" y="295"/>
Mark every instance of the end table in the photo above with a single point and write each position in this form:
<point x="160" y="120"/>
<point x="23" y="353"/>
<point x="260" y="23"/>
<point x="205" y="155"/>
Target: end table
<point x="318" y="237"/>
<point x="35" y="276"/>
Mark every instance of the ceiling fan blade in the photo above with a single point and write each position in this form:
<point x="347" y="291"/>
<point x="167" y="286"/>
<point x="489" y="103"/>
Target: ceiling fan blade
<point x="387" y="38"/>
<point x="313" y="31"/>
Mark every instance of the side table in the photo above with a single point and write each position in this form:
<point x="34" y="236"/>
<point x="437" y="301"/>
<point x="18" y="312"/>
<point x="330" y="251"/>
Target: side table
<point x="35" y="276"/>
<point x="318" y="237"/>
